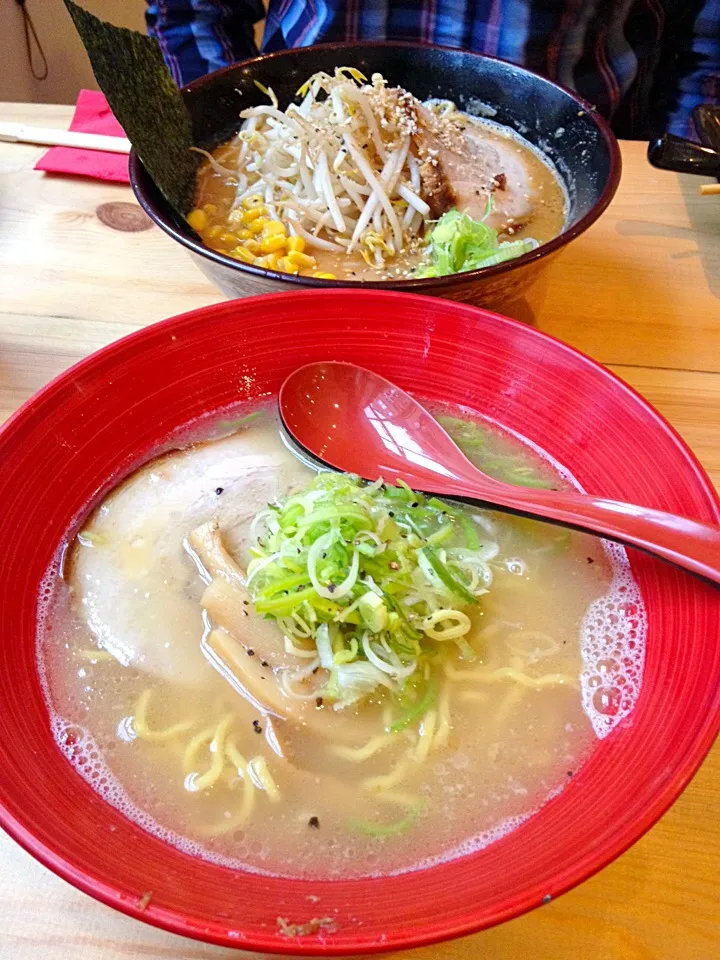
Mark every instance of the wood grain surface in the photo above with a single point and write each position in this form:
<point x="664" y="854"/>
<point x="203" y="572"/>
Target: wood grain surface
<point x="640" y="292"/>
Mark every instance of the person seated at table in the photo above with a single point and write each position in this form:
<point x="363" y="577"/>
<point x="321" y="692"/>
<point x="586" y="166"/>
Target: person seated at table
<point x="644" y="63"/>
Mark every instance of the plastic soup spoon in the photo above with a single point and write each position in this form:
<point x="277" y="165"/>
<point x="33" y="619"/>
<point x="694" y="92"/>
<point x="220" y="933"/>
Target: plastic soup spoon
<point x="354" y="420"/>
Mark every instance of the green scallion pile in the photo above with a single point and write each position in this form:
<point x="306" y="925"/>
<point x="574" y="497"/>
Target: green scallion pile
<point x="372" y="579"/>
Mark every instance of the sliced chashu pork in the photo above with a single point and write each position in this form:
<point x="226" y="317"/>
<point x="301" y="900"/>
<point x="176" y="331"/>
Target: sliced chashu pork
<point x="135" y="583"/>
<point x="249" y="652"/>
<point x="461" y="168"/>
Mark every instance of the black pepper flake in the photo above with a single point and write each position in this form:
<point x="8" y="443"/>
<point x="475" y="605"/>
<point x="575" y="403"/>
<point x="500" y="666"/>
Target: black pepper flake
<point x="256" y="726"/>
<point x="414" y="504"/>
<point x="547" y="898"/>
<point x="331" y="587"/>
<point x="246" y="602"/>
<point x="251" y="653"/>
<point x="316" y="670"/>
<point x="571" y="773"/>
<point x="264" y="663"/>
<point x="245" y="613"/>
<point x="590" y="560"/>
<point x="218" y="490"/>
<point x="390" y="513"/>
<point x="314" y="822"/>
<point x="318" y="701"/>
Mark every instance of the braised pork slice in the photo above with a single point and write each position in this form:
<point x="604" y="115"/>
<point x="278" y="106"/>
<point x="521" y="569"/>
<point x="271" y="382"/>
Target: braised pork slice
<point x="133" y="582"/>
<point x="461" y="168"/>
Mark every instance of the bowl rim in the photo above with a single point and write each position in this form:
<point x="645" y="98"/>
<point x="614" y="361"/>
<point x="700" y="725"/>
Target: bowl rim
<point x="139" y="178"/>
<point x="574" y="874"/>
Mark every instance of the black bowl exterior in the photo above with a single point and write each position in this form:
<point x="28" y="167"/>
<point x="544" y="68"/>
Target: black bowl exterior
<point x="563" y="127"/>
<point x="504" y="287"/>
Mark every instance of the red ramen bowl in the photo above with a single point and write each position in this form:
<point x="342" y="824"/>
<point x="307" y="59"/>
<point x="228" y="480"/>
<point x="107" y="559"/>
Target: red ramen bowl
<point x="93" y="425"/>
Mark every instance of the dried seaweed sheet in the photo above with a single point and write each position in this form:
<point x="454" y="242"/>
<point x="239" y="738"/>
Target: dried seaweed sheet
<point x="132" y="74"/>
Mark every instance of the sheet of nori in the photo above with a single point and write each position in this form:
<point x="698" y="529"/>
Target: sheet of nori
<point x="132" y="74"/>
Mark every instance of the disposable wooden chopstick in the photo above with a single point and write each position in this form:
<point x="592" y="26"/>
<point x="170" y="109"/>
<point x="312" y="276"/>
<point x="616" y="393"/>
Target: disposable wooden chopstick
<point x="20" y="133"/>
<point x="707" y="189"/>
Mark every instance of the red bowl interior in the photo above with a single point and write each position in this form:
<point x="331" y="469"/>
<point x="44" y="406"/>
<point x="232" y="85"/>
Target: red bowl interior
<point x="109" y="413"/>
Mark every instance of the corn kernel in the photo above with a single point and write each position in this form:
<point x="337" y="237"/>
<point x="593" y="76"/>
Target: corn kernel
<point x="197" y="219"/>
<point x="324" y="276"/>
<point x="296" y="245"/>
<point x="273" y="227"/>
<point x="243" y="234"/>
<point x="240" y="253"/>
<point x="212" y="233"/>
<point x="254" y="201"/>
<point x="252" y="245"/>
<point x="226" y="239"/>
<point x="257" y="226"/>
<point x="250" y="215"/>
<point x="273" y="244"/>
<point x="286" y="266"/>
<point x="210" y="209"/>
<point x="270" y="261"/>
<point x="301" y="259"/>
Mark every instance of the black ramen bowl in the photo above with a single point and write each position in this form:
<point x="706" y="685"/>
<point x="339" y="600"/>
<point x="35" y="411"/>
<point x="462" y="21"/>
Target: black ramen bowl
<point x="565" y="128"/>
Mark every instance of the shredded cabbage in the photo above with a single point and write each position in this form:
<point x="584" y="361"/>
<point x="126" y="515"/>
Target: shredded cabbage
<point x="376" y="576"/>
<point x="458" y="243"/>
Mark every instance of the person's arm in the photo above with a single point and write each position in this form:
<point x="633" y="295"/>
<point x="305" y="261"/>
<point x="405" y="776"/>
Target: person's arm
<point x="198" y="36"/>
<point x="689" y="69"/>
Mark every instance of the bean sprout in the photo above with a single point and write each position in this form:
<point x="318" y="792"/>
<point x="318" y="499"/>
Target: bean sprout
<point x="339" y="168"/>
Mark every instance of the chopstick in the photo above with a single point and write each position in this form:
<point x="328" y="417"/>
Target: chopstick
<point x="20" y="133"/>
<point x="708" y="189"/>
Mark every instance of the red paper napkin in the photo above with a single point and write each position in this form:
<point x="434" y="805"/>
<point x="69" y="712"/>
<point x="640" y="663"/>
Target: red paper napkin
<point x="92" y="115"/>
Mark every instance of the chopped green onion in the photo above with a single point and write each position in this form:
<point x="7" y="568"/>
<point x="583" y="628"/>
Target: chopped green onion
<point x="240" y="422"/>
<point x="471" y="538"/>
<point x="387" y="830"/>
<point x="359" y="570"/>
<point x="373" y="611"/>
<point x="417" y="709"/>
<point x="538" y="482"/>
<point x="458" y="243"/>
<point x="453" y="584"/>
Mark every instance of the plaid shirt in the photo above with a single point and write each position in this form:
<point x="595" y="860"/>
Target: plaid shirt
<point x="644" y="63"/>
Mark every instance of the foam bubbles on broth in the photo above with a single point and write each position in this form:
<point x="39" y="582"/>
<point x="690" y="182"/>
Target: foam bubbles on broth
<point x="612" y="643"/>
<point x="613" y="631"/>
<point x="471" y="802"/>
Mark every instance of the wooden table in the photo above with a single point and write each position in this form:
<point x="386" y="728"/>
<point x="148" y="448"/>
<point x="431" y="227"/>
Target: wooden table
<point x="639" y="292"/>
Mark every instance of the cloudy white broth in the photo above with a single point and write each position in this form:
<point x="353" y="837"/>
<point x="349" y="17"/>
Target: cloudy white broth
<point x="423" y="711"/>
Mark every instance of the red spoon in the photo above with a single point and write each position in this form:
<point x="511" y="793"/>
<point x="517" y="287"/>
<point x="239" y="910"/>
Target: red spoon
<point x="354" y="420"/>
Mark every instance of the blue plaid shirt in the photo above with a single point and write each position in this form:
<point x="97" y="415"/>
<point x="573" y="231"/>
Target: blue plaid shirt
<point x="644" y="63"/>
